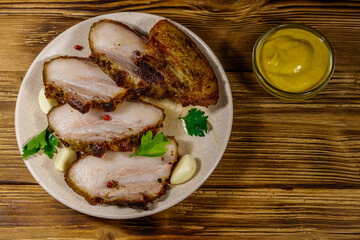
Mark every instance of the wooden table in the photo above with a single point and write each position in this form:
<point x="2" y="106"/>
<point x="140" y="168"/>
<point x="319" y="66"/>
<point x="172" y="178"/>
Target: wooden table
<point x="291" y="169"/>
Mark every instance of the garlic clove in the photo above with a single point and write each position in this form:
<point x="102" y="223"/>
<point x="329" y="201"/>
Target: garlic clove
<point x="64" y="159"/>
<point x="46" y="104"/>
<point x="184" y="170"/>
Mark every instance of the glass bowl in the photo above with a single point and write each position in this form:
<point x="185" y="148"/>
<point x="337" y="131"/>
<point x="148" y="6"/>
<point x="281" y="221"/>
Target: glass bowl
<point x="265" y="83"/>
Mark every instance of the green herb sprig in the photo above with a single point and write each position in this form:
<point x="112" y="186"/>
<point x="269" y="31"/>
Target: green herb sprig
<point x="196" y="123"/>
<point x="152" y="147"/>
<point x="45" y="141"/>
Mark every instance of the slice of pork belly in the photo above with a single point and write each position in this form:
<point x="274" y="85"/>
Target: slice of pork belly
<point x="135" y="182"/>
<point x="90" y="133"/>
<point x="115" y="47"/>
<point x="82" y="84"/>
<point x="174" y="67"/>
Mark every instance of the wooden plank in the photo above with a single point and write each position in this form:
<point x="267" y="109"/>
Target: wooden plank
<point x="12" y="167"/>
<point x="230" y="29"/>
<point x="23" y="38"/>
<point x="341" y="92"/>
<point x="291" y="169"/>
<point x="236" y="212"/>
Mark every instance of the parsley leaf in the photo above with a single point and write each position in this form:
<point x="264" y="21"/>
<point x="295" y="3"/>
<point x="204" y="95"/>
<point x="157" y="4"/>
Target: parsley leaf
<point x="196" y="123"/>
<point x="152" y="147"/>
<point x="45" y="140"/>
<point x="52" y="141"/>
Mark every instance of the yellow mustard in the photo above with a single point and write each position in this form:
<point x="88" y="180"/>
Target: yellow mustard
<point x="293" y="60"/>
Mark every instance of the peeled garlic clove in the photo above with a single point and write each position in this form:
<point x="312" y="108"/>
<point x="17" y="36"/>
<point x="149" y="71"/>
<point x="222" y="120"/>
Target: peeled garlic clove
<point x="46" y="104"/>
<point x="64" y="159"/>
<point x="184" y="170"/>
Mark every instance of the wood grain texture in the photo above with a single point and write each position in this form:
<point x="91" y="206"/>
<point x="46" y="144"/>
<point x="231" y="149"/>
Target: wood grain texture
<point x="237" y="212"/>
<point x="291" y="169"/>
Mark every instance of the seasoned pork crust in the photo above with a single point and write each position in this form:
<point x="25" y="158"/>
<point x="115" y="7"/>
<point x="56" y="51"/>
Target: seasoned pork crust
<point x="82" y="84"/>
<point x="135" y="182"/>
<point x="92" y="134"/>
<point x="114" y="47"/>
<point x="174" y="67"/>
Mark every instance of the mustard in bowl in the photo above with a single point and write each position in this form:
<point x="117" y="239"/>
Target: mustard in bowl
<point x="293" y="61"/>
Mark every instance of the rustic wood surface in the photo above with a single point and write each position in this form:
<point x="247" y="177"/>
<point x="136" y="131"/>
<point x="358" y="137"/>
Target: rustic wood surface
<point x="291" y="169"/>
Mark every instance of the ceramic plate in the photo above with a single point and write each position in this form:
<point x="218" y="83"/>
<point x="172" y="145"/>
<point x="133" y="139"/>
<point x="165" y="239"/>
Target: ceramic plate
<point x="30" y="121"/>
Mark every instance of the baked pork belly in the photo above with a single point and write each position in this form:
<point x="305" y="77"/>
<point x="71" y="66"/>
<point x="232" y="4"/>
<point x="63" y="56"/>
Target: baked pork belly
<point x="82" y="84"/>
<point x="174" y="67"/>
<point x="117" y="179"/>
<point x="115" y="47"/>
<point x="96" y="131"/>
